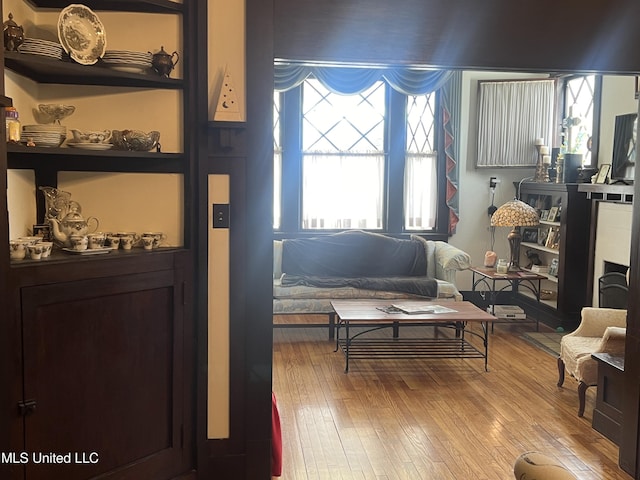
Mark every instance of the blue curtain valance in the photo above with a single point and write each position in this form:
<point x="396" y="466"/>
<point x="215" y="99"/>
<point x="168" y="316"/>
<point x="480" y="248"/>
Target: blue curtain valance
<point x="349" y="81"/>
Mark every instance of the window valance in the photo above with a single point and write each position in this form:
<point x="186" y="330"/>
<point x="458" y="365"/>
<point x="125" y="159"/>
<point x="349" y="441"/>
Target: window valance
<point x="349" y="81"/>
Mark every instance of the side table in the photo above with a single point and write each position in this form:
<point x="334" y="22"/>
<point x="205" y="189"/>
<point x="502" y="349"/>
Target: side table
<point x="499" y="282"/>
<point x="607" y="414"/>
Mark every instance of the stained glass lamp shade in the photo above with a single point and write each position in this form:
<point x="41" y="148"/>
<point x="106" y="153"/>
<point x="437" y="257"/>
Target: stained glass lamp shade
<point x="515" y="214"/>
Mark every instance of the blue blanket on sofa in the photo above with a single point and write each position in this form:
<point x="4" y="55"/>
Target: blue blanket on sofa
<point x="359" y="259"/>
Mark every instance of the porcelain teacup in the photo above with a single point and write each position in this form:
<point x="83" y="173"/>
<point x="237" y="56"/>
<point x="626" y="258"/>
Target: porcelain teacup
<point x="96" y="240"/>
<point x="35" y="251"/>
<point x="157" y="236"/>
<point x="148" y="241"/>
<point x="46" y="249"/>
<point x="113" y="241"/>
<point x="79" y="242"/>
<point x="127" y="241"/>
<point x="17" y="249"/>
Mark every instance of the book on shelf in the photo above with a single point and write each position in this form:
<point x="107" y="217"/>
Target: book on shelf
<point x="416" y="309"/>
<point x="527" y="274"/>
<point x="540" y="268"/>
<point x="507" y="311"/>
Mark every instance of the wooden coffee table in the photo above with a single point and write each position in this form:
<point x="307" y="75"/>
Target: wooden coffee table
<point x="371" y="314"/>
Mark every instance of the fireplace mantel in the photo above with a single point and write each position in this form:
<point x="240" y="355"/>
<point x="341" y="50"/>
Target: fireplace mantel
<point x="608" y="193"/>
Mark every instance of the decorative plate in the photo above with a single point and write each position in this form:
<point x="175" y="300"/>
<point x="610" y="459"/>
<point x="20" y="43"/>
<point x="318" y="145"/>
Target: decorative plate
<point x="82" y="34"/>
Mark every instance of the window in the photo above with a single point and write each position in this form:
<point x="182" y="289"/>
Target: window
<point x="511" y="115"/>
<point x="343" y="158"/>
<point x="579" y="94"/>
<point x="366" y="161"/>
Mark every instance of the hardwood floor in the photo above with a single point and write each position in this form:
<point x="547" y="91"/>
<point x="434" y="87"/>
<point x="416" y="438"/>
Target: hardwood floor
<point x="429" y="418"/>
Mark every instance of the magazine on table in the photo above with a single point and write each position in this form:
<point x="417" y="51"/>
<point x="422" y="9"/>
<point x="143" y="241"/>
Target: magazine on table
<point x="413" y="309"/>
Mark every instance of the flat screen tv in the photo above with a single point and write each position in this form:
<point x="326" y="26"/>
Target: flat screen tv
<point x="624" y="148"/>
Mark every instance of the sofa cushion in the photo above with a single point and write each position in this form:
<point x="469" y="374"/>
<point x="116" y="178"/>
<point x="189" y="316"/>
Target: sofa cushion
<point x="353" y="253"/>
<point x="451" y="258"/>
<point x="445" y="290"/>
<point x="430" y="252"/>
<point x="277" y="258"/>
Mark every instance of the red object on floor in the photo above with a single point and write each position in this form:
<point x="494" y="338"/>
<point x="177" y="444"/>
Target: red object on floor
<point x="276" y="439"/>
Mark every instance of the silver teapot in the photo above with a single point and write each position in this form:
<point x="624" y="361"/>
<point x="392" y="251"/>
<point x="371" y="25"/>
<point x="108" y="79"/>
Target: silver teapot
<point x="163" y="63"/>
<point x="13" y="34"/>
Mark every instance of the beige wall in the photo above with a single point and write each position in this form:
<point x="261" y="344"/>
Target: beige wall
<point x="226" y="50"/>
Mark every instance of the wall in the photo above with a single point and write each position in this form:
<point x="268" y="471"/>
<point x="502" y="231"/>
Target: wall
<point x="473" y="234"/>
<point x="618" y="97"/>
<point x="226" y="50"/>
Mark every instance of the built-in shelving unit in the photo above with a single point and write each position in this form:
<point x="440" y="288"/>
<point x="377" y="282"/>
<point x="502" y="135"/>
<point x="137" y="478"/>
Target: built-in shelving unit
<point x="567" y="249"/>
<point x="128" y="347"/>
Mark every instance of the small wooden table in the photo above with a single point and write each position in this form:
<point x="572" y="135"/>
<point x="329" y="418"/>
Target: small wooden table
<point x="370" y="313"/>
<point x="607" y="414"/>
<point x="490" y="278"/>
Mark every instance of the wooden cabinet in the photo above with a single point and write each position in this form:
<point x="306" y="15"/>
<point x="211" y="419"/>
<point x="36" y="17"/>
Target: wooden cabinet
<point x="562" y="243"/>
<point x="100" y="349"/>
<point x="103" y="369"/>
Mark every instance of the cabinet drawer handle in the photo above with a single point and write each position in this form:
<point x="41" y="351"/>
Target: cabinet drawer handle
<point x="27" y="407"/>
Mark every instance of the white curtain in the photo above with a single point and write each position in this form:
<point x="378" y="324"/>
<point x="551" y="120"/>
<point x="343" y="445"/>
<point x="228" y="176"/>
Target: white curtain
<point x="511" y="116"/>
<point x="420" y="187"/>
<point x="342" y="191"/>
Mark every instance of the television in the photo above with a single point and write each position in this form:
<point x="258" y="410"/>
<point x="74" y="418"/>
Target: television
<point x="624" y="148"/>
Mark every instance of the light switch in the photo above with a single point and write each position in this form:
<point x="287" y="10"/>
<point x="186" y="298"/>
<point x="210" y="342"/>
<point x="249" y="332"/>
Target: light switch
<point x="220" y="215"/>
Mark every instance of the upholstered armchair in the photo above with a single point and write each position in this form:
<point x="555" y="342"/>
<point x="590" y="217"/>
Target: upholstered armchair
<point x="601" y="330"/>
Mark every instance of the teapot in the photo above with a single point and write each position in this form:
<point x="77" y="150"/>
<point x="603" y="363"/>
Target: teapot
<point x="71" y="224"/>
<point x="13" y="34"/>
<point x="163" y="63"/>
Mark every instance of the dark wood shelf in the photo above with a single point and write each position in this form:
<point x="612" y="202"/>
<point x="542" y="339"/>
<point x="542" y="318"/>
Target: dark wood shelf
<point x="49" y="70"/>
<point x="147" y="6"/>
<point x="572" y="254"/>
<point x="69" y="159"/>
<point x="618" y="193"/>
<point x="59" y="257"/>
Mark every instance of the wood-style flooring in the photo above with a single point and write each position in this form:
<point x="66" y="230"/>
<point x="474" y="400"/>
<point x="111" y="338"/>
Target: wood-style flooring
<point x="435" y="419"/>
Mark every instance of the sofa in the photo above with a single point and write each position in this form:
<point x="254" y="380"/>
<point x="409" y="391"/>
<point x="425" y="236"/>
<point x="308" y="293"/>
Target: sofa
<point x="310" y="272"/>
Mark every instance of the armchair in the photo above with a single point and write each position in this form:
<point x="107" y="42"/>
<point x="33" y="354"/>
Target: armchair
<point x="601" y="330"/>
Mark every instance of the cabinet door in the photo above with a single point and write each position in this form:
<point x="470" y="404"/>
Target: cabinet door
<point x="103" y="361"/>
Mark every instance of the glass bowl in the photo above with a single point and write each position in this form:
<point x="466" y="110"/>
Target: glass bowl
<point x="135" y="140"/>
<point x="55" y="111"/>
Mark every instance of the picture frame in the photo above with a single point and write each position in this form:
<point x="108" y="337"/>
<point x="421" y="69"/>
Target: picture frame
<point x="544" y="215"/>
<point x="553" y="214"/>
<point x="543" y="233"/>
<point x="44" y="231"/>
<point x="553" y="238"/>
<point x="603" y="172"/>
<point x="553" y="268"/>
<point x="530" y="235"/>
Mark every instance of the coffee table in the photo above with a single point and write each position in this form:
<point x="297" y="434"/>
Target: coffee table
<point x="374" y="316"/>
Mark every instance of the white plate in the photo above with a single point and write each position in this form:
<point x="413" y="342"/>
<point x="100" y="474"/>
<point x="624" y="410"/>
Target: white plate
<point x="88" y="251"/>
<point x="91" y="146"/>
<point x="81" y="34"/>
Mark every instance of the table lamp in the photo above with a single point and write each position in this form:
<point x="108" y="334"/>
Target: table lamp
<point x="516" y="214"/>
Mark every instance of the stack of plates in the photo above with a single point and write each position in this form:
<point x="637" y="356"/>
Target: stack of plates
<point x="127" y="61"/>
<point x="45" y="48"/>
<point x="49" y="135"/>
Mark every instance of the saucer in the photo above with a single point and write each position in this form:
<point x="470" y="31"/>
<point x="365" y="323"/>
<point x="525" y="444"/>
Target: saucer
<point x="90" y="146"/>
<point x="88" y="251"/>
